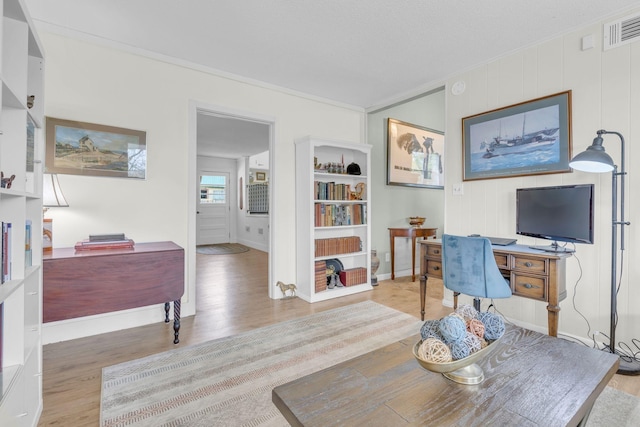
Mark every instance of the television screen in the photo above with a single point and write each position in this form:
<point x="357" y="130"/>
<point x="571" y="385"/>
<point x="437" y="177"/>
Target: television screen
<point x="561" y="213"/>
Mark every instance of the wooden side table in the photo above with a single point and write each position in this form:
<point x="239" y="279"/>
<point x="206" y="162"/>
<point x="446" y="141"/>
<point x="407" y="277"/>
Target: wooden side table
<point x="413" y="233"/>
<point x="86" y="283"/>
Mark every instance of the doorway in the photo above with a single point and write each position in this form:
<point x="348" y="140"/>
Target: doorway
<point x="224" y="141"/>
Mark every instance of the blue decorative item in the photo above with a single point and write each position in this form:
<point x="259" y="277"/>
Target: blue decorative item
<point x="493" y="325"/>
<point x="452" y="329"/>
<point x="430" y="330"/>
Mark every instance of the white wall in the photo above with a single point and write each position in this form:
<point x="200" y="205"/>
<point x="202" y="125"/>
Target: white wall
<point x="93" y="83"/>
<point x="393" y="205"/>
<point x="606" y="94"/>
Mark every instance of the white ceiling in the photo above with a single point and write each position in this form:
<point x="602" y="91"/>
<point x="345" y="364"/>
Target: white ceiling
<point x="363" y="53"/>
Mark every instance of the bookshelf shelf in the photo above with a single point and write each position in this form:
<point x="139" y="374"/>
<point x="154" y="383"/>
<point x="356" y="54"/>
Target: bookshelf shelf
<point x="339" y="200"/>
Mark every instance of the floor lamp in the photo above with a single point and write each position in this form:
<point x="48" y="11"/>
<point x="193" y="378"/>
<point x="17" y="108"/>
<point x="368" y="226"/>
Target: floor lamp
<point x="595" y="159"/>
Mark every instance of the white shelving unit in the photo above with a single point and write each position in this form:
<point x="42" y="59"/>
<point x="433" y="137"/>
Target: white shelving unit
<point x="21" y="154"/>
<point x="350" y="224"/>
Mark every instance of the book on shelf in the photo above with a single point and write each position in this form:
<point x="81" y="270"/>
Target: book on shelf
<point x="6" y="253"/>
<point x="331" y="215"/>
<point x="353" y="276"/>
<point x="320" y="276"/>
<point x="28" y="258"/>
<point x="87" y="245"/>
<point x="337" y="245"/>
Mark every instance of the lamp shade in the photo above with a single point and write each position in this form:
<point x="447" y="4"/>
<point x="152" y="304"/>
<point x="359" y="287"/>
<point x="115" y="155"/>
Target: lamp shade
<point x="51" y="192"/>
<point x="593" y="159"/>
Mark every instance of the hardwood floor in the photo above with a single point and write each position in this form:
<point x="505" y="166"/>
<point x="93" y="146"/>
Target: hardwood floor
<point x="231" y="298"/>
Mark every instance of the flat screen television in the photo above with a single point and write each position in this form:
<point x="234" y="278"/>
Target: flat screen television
<point x="560" y="213"/>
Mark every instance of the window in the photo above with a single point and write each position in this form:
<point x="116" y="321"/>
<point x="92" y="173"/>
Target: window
<point x="213" y="189"/>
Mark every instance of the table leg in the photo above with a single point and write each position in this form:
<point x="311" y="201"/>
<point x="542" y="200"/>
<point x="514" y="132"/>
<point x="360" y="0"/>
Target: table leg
<point x="176" y="321"/>
<point x="166" y="312"/>
<point x="413" y="259"/>
<point x="423" y="295"/>
<point x="393" y="257"/>
<point x="553" y="312"/>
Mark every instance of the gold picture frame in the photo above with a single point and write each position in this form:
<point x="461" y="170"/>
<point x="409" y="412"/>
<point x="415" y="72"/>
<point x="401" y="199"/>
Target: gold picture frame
<point x="79" y="148"/>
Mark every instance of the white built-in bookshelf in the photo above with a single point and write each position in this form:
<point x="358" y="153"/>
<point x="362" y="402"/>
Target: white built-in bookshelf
<point x="333" y="218"/>
<point x="21" y="156"/>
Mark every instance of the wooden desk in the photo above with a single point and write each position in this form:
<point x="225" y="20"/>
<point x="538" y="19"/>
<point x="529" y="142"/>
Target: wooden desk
<point x="531" y="379"/>
<point x="413" y="233"/>
<point x="84" y="283"/>
<point x="532" y="273"/>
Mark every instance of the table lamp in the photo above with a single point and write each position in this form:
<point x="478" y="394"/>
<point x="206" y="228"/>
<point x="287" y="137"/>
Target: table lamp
<point x="52" y="197"/>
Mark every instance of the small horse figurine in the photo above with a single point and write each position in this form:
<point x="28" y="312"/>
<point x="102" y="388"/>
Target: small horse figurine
<point x="284" y="288"/>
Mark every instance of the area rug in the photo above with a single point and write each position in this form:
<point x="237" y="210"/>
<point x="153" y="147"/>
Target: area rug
<point x="228" y="381"/>
<point x="221" y="249"/>
<point x="615" y="408"/>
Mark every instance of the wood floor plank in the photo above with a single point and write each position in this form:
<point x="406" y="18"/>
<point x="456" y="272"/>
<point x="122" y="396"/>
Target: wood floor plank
<point x="232" y="298"/>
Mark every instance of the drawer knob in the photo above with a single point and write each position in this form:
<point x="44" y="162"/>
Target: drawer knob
<point x="529" y="286"/>
<point x="437" y="252"/>
<point x="528" y="264"/>
<point x="436" y="268"/>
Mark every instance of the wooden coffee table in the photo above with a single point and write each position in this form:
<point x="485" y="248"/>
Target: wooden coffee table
<point x="531" y="379"/>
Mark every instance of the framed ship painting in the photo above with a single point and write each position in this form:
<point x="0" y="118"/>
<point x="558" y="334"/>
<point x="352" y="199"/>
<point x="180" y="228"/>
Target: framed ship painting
<point x="79" y="148"/>
<point x="415" y="155"/>
<point x="529" y="138"/>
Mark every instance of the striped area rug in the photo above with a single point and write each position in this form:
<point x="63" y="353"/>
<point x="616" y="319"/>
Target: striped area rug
<point x="228" y="381"/>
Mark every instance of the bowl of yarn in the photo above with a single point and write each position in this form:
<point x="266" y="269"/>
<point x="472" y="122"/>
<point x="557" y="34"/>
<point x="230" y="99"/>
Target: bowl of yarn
<point x="452" y="345"/>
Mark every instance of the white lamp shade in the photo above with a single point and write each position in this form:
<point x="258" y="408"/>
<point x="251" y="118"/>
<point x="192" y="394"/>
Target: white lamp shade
<point x="52" y="195"/>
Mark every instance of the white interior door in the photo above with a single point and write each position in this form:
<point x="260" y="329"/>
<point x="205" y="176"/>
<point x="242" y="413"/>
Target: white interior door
<point x="213" y="209"/>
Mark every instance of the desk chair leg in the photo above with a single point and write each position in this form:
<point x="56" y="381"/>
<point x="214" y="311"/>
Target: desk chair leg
<point x="476" y="304"/>
<point x="455" y="300"/>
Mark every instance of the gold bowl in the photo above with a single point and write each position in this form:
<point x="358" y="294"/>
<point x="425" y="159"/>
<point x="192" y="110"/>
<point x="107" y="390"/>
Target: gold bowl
<point x="463" y="371"/>
<point x="416" y="221"/>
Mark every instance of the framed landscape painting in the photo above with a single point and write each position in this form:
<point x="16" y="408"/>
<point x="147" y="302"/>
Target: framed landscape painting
<point x="529" y="138"/>
<point x="79" y="148"/>
<point x="415" y="155"/>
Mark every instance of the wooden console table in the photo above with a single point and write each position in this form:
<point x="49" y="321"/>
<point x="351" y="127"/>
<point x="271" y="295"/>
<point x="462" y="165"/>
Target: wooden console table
<point x="531" y="380"/>
<point x="85" y="283"/>
<point x="413" y="233"/>
<point x="532" y="274"/>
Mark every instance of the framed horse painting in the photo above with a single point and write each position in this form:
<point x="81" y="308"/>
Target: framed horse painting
<point x="415" y="155"/>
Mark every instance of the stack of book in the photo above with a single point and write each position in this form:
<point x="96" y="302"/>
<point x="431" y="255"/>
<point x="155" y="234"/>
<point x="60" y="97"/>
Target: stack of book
<point x="321" y="276"/>
<point x="105" y="241"/>
<point x="5" y="252"/>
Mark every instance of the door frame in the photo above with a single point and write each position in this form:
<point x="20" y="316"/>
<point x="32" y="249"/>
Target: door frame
<point x="196" y="107"/>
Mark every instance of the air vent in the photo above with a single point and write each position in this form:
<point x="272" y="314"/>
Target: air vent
<point x="622" y="31"/>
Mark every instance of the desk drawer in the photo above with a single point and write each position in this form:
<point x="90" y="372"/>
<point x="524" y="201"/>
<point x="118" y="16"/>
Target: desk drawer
<point x="502" y="260"/>
<point x="530" y="265"/>
<point x="534" y="287"/>
<point x="434" y="251"/>
<point x="434" y="268"/>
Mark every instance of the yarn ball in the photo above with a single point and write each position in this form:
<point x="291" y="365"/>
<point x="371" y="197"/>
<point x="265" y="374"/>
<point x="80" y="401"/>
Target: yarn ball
<point x="467" y="312"/>
<point x="430" y="330"/>
<point x="476" y="327"/>
<point x="452" y="329"/>
<point x="434" y="350"/>
<point x="473" y="342"/>
<point x="493" y="325"/>
<point x="459" y="350"/>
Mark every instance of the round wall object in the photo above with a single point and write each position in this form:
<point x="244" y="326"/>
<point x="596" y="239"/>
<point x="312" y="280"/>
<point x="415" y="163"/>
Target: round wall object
<point x="458" y="87"/>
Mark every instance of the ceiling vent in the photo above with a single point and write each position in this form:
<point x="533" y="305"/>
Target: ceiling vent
<point x="622" y="31"/>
